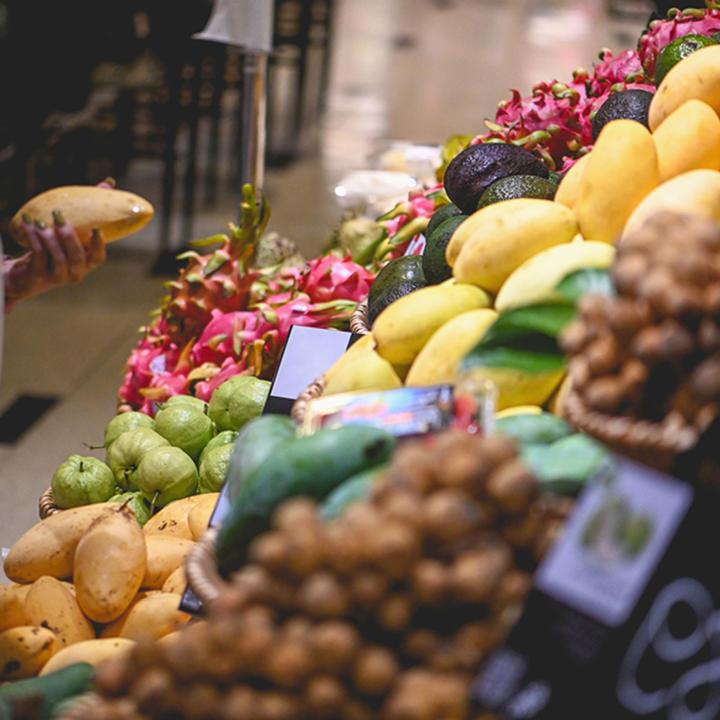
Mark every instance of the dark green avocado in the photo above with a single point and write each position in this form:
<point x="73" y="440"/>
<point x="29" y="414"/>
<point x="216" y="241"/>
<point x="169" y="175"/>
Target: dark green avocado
<point x="625" y="105"/>
<point x="678" y="50"/>
<point x="518" y="186"/>
<point x="440" y="216"/>
<point x="398" y="278"/>
<point x="477" y="167"/>
<point x="434" y="263"/>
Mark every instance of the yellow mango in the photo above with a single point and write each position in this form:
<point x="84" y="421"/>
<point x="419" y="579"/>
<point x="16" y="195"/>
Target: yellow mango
<point x="110" y="563"/>
<point x="116" y="213"/>
<point x="172" y="520"/>
<point x="696" y="77"/>
<point x="48" y="547"/>
<point x="51" y="605"/>
<point x="150" y="618"/>
<point x="622" y="169"/>
<point x="438" y="361"/>
<point x="92" y="652"/>
<point x="24" y="650"/>
<point x="176" y="582"/>
<point x="688" y="139"/>
<point x="517" y="387"/>
<point x="12" y="608"/>
<point x="403" y="328"/>
<point x="199" y="515"/>
<point x="504" y="235"/>
<point x="519" y="410"/>
<point x="361" y="369"/>
<point x="696" y="192"/>
<point x="536" y="279"/>
<point x="569" y="189"/>
<point x="164" y="556"/>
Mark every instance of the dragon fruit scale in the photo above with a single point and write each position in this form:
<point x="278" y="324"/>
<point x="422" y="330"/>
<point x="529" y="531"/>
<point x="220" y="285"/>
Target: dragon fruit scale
<point x="677" y="24"/>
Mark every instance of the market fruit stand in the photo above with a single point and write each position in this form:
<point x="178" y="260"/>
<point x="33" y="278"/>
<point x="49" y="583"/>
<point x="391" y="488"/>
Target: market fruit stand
<point x="355" y="575"/>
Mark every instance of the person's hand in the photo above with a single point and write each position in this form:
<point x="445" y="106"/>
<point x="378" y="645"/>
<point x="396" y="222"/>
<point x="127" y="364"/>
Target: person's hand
<point x="56" y="257"/>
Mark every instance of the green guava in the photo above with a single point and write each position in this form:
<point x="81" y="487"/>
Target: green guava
<point x="187" y="400"/>
<point x="82" y="481"/>
<point x="136" y="502"/>
<point x="123" y="422"/>
<point x="125" y="454"/>
<point x="185" y="428"/>
<point x="166" y="474"/>
<point x="226" y="437"/>
<point x="214" y="469"/>
<point x="237" y="400"/>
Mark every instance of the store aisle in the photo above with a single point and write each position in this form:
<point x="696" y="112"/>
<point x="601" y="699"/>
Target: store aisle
<point x="403" y="69"/>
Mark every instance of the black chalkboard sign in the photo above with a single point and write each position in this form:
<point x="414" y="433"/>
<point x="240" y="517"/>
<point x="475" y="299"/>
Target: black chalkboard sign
<point x="624" y="619"/>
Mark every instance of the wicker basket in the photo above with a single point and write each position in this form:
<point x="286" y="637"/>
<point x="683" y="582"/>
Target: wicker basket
<point x="359" y="321"/>
<point x="657" y="445"/>
<point x="47" y="506"/>
<point x="201" y="569"/>
<point x="311" y="392"/>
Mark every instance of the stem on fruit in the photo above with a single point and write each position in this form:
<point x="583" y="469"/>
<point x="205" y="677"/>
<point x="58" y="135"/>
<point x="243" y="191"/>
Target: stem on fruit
<point x="154" y="500"/>
<point x="81" y="466"/>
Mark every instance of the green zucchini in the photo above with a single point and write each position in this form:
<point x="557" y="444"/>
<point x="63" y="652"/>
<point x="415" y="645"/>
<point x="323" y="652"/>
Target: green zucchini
<point x="255" y="443"/>
<point x="352" y="490"/>
<point x="50" y="690"/>
<point x="310" y="466"/>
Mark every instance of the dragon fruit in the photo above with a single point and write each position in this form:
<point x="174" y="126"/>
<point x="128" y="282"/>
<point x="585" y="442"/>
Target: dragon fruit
<point x="556" y="120"/>
<point x="218" y="280"/>
<point x="332" y="278"/>
<point x="677" y="24"/>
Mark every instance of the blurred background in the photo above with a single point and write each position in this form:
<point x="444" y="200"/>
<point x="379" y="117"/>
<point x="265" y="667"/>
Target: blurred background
<point x="120" y="89"/>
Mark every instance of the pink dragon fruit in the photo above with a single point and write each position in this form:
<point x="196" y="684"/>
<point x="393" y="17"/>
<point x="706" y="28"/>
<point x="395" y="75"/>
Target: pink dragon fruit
<point x="677" y="24"/>
<point x="620" y="72"/>
<point x="332" y="278"/>
<point x="228" y="369"/>
<point x="226" y="334"/>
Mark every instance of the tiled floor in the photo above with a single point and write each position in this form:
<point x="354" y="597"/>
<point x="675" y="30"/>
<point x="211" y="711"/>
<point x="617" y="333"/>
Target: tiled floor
<point x="403" y="69"/>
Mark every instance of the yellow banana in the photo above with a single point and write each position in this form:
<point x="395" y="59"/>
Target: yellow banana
<point x="696" y="192"/>
<point x="696" y="77"/>
<point x="361" y="368"/>
<point x="536" y="279"/>
<point x="502" y="236"/>
<point x="569" y="189"/>
<point x="403" y="328"/>
<point x="115" y="213"/>
<point x="688" y="139"/>
<point x="621" y="170"/>
<point x="439" y="359"/>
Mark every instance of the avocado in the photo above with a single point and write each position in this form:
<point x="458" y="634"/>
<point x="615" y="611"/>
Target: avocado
<point x="477" y="167"/>
<point x="624" y="105"/>
<point x="518" y="186"/>
<point x="398" y="278"/>
<point x="439" y="216"/>
<point x="434" y="263"/>
<point x="677" y="50"/>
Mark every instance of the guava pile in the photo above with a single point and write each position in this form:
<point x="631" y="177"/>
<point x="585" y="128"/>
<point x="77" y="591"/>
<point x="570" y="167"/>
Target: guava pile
<point x="149" y="462"/>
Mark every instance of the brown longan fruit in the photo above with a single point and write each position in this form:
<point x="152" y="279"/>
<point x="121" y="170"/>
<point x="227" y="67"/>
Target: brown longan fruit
<point x="324" y="696"/>
<point x="240" y="704"/>
<point x="294" y="514"/>
<point x="395" y="612"/>
<point x="476" y="574"/>
<point x="512" y="486"/>
<point x="277" y="706"/>
<point x="374" y="670"/>
<point x="288" y="663"/>
<point x="450" y="515"/>
<point x="334" y="645"/>
<point x="322" y="596"/>
<point x="367" y="587"/>
<point x="430" y="582"/>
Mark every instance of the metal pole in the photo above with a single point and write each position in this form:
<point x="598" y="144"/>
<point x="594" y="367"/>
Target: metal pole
<point x="252" y="118"/>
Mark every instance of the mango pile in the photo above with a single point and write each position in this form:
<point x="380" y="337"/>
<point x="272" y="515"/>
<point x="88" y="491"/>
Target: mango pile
<point x="90" y="581"/>
<point x="512" y="246"/>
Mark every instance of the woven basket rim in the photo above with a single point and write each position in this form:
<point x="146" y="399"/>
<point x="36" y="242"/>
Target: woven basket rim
<point x="201" y="570"/>
<point x="359" y="320"/>
<point x="47" y="505"/>
<point x="311" y="392"/>
<point x="624" y="431"/>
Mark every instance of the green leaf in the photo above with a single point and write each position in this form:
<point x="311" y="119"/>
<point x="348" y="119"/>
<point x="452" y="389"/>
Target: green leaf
<point x="582" y="282"/>
<point x="208" y="241"/>
<point x="528" y="361"/>
<point x="548" y="319"/>
<point x="566" y="465"/>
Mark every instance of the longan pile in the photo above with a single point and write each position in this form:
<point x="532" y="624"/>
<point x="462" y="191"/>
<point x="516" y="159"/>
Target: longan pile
<point x="653" y="352"/>
<point x="386" y="612"/>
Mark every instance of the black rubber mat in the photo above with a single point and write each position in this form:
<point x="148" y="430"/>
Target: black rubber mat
<point x="22" y="414"/>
